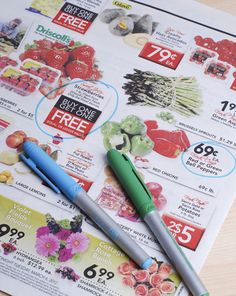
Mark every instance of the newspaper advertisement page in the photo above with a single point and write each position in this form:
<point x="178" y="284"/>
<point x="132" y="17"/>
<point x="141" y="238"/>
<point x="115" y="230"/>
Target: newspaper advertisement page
<point x="79" y="78"/>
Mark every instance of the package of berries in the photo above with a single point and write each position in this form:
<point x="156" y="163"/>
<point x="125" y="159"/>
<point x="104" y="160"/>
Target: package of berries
<point x="110" y="198"/>
<point x="6" y="61"/>
<point x="73" y="60"/>
<point x="48" y="74"/>
<point x="217" y="69"/>
<point x="128" y="211"/>
<point x="201" y="55"/>
<point x="224" y="48"/>
<point x="19" y="81"/>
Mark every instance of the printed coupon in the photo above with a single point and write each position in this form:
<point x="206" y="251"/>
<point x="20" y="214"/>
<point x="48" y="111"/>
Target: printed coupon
<point x="45" y="7"/>
<point x="186" y="212"/>
<point x="206" y="161"/>
<point x="81" y="77"/>
<point x="79" y="162"/>
<point x="215" y="117"/>
<point x="187" y="217"/>
<point x="78" y="109"/>
<point x="74" y="18"/>
<point x="53" y="254"/>
<point x="167" y="47"/>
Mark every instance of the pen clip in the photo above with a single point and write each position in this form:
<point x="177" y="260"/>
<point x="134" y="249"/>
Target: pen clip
<point x="137" y="175"/>
<point x="29" y="162"/>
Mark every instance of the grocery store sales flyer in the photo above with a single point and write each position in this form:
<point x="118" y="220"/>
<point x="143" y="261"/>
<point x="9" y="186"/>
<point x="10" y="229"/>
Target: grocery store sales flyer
<point x="49" y="255"/>
<point x="81" y="77"/>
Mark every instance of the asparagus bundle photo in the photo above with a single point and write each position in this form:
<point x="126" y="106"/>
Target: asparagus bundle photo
<point x="180" y="94"/>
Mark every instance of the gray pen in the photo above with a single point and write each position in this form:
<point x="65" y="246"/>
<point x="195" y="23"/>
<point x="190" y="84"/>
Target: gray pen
<point x="47" y="169"/>
<point x="142" y="200"/>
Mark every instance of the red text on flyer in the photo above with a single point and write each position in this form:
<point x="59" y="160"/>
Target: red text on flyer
<point x="185" y="234"/>
<point x="161" y="55"/>
<point x="74" y="18"/>
<point x="72" y="117"/>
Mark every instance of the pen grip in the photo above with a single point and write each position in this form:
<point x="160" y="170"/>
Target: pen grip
<point x="112" y="229"/>
<point x="175" y="254"/>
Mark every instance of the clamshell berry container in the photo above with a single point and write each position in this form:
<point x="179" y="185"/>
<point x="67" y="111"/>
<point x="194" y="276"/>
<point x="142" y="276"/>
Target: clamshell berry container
<point x="48" y="74"/>
<point x="5" y="61"/>
<point x="217" y="69"/>
<point x="19" y="81"/>
<point x="201" y="55"/>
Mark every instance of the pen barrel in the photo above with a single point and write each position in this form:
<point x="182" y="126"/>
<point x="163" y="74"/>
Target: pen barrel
<point x="175" y="254"/>
<point x="112" y="229"/>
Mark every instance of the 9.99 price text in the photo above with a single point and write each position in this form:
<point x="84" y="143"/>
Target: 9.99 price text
<point x="12" y="232"/>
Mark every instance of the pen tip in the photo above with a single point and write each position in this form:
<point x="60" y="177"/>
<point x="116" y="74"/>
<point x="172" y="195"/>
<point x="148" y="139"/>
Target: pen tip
<point x="112" y="153"/>
<point x="146" y="264"/>
<point x="28" y="145"/>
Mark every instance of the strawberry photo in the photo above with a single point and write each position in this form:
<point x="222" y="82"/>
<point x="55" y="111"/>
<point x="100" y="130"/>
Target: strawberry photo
<point x="74" y="61"/>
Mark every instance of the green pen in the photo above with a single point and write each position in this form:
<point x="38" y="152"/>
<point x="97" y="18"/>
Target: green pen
<point x="142" y="200"/>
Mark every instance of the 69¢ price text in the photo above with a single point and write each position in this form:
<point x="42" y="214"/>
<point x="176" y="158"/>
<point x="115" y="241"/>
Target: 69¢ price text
<point x="206" y="150"/>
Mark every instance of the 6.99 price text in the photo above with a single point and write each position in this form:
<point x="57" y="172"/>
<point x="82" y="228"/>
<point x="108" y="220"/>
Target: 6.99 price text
<point x="102" y="273"/>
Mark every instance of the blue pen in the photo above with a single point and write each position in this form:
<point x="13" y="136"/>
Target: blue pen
<point x="47" y="169"/>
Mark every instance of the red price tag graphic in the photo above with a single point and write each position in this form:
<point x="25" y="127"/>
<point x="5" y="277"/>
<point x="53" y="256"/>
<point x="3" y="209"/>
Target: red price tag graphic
<point x="186" y="235"/>
<point x="73" y="117"/>
<point x="74" y="18"/>
<point x="233" y="86"/>
<point x="85" y="184"/>
<point x="161" y="55"/>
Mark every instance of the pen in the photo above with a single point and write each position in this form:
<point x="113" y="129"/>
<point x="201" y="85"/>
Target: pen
<point x="142" y="200"/>
<point x="47" y="169"/>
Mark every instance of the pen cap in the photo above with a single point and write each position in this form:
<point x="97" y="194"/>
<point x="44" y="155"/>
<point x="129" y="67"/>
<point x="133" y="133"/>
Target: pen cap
<point x="49" y="168"/>
<point x="131" y="182"/>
